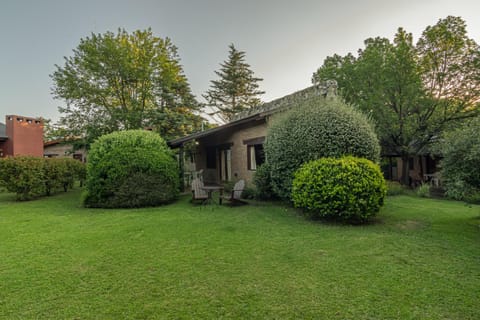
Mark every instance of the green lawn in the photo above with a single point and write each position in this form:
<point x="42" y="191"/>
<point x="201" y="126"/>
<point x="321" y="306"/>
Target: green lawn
<point x="420" y="260"/>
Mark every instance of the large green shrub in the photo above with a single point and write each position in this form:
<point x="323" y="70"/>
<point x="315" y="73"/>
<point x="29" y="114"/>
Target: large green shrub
<point x="131" y="169"/>
<point x="317" y="128"/>
<point x="24" y="176"/>
<point x="349" y="189"/>
<point x="460" y="172"/>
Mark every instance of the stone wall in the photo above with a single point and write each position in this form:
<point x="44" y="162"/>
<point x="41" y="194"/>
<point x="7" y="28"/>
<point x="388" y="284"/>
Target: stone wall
<point x="235" y="138"/>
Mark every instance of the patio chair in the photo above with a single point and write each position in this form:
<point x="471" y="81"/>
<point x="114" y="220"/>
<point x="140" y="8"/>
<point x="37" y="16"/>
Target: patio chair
<point x="197" y="192"/>
<point x="235" y="197"/>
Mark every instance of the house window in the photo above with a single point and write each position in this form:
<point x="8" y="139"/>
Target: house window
<point x="211" y="158"/>
<point x="255" y="155"/>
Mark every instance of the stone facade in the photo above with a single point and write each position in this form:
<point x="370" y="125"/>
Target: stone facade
<point x="59" y="149"/>
<point x="234" y="139"/>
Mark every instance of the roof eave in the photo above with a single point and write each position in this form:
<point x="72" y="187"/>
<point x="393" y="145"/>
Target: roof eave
<point x="175" y="143"/>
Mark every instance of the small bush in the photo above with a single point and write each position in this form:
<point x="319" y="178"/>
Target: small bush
<point x="315" y="129"/>
<point x="394" y="188"/>
<point x="348" y="189"/>
<point x="423" y="190"/>
<point x="262" y="182"/>
<point x="249" y="193"/>
<point x="131" y="169"/>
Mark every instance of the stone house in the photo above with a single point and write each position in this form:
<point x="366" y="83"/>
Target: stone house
<point x="63" y="149"/>
<point x="234" y="150"/>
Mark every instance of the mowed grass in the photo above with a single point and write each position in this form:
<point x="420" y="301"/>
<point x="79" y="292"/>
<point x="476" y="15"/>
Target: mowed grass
<point x="419" y="260"/>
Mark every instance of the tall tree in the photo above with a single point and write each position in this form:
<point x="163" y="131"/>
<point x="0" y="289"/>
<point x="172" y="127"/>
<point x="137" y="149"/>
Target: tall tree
<point x="450" y="68"/>
<point x="408" y="90"/>
<point x="124" y="81"/>
<point x="236" y="89"/>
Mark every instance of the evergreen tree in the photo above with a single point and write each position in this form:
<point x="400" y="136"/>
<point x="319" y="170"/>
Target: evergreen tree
<point x="236" y="90"/>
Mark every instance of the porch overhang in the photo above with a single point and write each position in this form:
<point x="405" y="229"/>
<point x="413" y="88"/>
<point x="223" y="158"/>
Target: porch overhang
<point x="176" y="143"/>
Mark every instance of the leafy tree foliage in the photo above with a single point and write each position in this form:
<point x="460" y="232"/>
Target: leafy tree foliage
<point x="315" y="129"/>
<point x="133" y="168"/>
<point x="412" y="92"/>
<point x="124" y="81"/>
<point x="460" y="149"/>
<point x="236" y="89"/>
<point x="349" y="189"/>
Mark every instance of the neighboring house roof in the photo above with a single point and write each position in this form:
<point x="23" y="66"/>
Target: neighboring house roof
<point x="3" y="132"/>
<point x="53" y="142"/>
<point x="260" y="112"/>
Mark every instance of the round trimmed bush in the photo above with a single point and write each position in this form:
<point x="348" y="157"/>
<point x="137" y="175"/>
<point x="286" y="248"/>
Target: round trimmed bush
<point x="348" y="189"/>
<point x="315" y="129"/>
<point x="130" y="169"/>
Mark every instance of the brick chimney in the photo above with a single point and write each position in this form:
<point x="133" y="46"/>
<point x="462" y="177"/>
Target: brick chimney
<point x="25" y="136"/>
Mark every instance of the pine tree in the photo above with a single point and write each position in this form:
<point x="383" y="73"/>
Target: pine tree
<point x="236" y="90"/>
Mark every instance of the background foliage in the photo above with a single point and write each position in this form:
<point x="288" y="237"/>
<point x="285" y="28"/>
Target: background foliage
<point x="413" y="92"/>
<point x="460" y="172"/>
<point x="132" y="168"/>
<point x="314" y="129"/>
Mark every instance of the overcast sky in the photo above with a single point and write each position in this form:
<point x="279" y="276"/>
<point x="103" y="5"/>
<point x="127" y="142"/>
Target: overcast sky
<point x="284" y="41"/>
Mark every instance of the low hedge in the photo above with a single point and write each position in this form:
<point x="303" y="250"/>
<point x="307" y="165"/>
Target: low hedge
<point x="348" y="189"/>
<point x="31" y="177"/>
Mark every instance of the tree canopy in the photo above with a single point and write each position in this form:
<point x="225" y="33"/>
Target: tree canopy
<point x="123" y="81"/>
<point x="236" y="89"/>
<point x="413" y="92"/>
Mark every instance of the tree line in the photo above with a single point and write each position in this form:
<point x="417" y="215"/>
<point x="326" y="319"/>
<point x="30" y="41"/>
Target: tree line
<point x="123" y="81"/>
<point x="413" y="92"/>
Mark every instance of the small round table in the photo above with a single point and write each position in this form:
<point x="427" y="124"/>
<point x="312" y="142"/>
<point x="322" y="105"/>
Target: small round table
<point x="211" y="189"/>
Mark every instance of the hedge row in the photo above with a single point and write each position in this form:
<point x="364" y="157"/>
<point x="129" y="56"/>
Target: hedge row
<point x="31" y="177"/>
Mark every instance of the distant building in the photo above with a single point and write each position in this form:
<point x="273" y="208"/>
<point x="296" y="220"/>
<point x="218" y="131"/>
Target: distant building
<point x="21" y="136"/>
<point x="62" y="148"/>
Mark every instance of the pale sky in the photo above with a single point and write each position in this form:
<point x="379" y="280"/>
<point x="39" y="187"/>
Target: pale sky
<point x="285" y="41"/>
